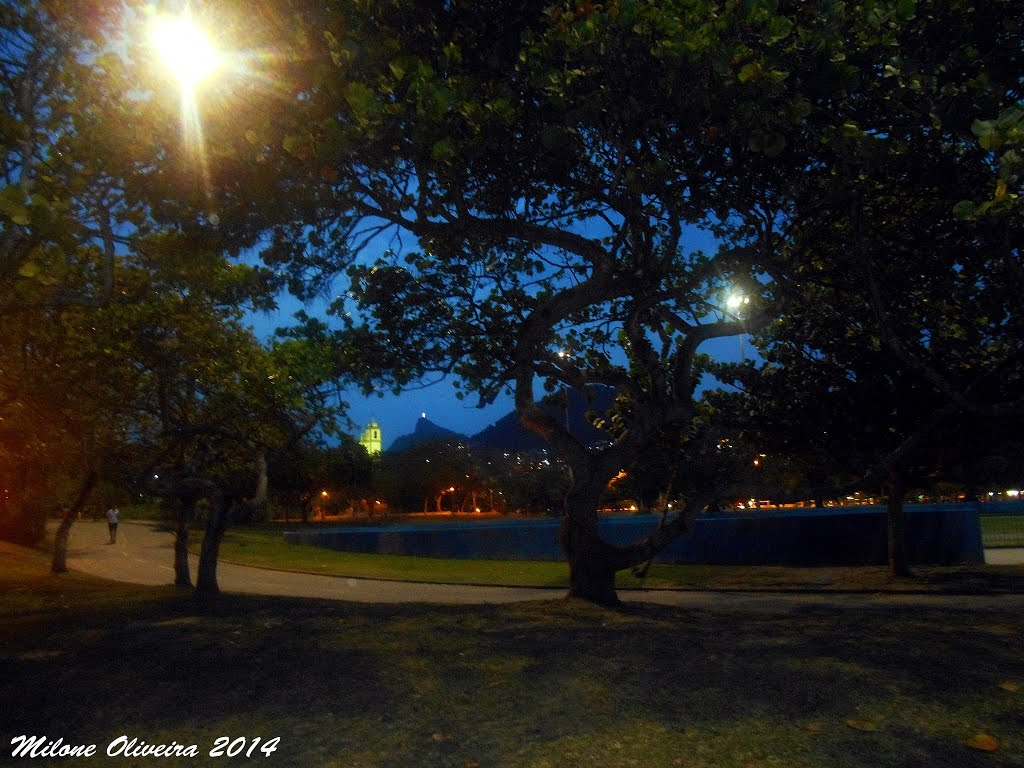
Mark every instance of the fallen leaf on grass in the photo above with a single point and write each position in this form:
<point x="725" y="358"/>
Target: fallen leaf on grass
<point x="984" y="742"/>
<point x="1010" y="687"/>
<point x="38" y="655"/>
<point x="813" y="727"/>
<point x="471" y="764"/>
<point x="861" y="725"/>
<point x="438" y="736"/>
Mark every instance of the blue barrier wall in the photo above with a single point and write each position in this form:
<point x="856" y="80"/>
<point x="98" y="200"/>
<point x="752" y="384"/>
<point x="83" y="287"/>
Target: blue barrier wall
<point x="937" y="534"/>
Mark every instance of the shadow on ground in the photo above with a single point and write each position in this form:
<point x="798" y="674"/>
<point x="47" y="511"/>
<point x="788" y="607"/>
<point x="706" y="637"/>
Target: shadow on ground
<point x="534" y="684"/>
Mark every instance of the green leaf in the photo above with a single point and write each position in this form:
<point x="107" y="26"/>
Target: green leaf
<point x="982" y="127"/>
<point x="111" y="62"/>
<point x="749" y="72"/>
<point x="965" y="209"/>
<point x="906" y="9"/>
<point x="452" y="53"/>
<point x="292" y="144"/>
<point x="852" y="131"/>
<point x="361" y="99"/>
<point x="12" y="205"/>
<point x="29" y="269"/>
<point x="778" y="29"/>
<point x="443" y="150"/>
<point x="990" y="141"/>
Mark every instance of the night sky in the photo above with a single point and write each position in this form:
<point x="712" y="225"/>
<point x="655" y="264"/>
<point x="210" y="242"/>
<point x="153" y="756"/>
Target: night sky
<point x="397" y="415"/>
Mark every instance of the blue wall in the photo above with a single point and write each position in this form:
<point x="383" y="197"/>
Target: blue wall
<point x="937" y="534"/>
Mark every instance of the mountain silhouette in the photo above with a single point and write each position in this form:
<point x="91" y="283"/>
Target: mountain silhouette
<point x="507" y="435"/>
<point x="425" y="431"/>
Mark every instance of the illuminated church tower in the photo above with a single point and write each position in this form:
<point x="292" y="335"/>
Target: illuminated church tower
<point x="371" y="439"/>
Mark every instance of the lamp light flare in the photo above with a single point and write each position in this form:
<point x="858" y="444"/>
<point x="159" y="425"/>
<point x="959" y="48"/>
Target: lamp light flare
<point x="736" y="300"/>
<point x="184" y="48"/>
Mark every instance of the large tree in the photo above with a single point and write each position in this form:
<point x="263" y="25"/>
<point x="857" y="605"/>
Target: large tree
<point x="546" y="177"/>
<point x="902" y="271"/>
<point x="120" y="318"/>
<point x="544" y="172"/>
<point x="213" y="403"/>
<point x="64" y="220"/>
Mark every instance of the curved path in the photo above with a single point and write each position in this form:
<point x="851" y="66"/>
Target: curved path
<point x="144" y="554"/>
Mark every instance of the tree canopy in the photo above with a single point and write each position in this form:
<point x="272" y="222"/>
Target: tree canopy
<point x="572" y="192"/>
<point x="121" y="316"/>
<point x="557" y="174"/>
<point x="528" y="197"/>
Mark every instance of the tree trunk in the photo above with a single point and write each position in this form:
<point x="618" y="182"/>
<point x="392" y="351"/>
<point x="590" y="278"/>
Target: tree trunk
<point x="259" y="498"/>
<point x="59" y="564"/>
<point x="591" y="562"/>
<point x="594" y="562"/>
<point x="896" y="517"/>
<point x="257" y="504"/>
<point x="182" y="577"/>
<point x="216" y="524"/>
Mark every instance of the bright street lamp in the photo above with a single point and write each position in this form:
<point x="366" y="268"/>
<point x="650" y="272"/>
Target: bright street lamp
<point x="191" y="58"/>
<point x="736" y="300"/>
<point x="184" y="48"/>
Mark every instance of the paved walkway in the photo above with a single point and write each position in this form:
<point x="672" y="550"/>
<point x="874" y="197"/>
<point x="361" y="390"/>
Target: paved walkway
<point x="1005" y="556"/>
<point x="144" y="554"/>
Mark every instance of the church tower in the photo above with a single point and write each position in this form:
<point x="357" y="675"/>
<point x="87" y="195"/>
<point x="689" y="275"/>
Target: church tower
<point x="371" y="439"/>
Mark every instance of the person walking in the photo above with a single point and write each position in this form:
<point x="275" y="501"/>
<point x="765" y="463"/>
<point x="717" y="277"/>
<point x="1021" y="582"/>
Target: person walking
<point x="112" y="519"/>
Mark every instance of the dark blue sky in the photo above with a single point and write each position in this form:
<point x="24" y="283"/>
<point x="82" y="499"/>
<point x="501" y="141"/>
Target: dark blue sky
<point x="397" y="415"/>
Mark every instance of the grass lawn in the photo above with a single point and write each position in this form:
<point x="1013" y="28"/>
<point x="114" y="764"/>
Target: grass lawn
<point x="266" y="548"/>
<point x="1003" y="530"/>
<point x="531" y="685"/>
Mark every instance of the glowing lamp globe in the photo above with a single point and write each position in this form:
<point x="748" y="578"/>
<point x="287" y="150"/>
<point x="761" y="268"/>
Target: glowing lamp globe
<point x="736" y="300"/>
<point x="185" y="49"/>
